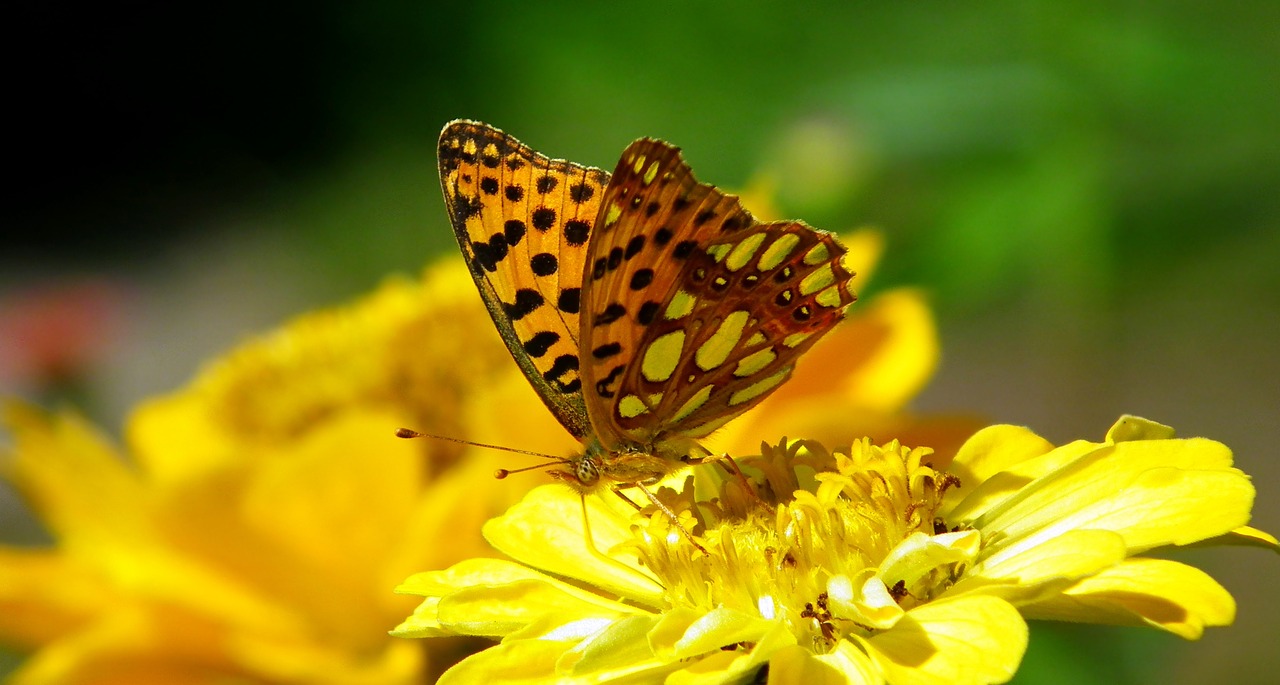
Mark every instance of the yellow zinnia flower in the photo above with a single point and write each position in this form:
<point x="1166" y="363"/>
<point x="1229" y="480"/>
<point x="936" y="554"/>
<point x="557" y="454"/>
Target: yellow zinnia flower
<point x="868" y="566"/>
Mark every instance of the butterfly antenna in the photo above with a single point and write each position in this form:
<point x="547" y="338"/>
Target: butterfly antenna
<point x="409" y="433"/>
<point x="503" y="473"/>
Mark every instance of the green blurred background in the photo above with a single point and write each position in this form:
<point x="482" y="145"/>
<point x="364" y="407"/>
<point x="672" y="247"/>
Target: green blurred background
<point x="1087" y="190"/>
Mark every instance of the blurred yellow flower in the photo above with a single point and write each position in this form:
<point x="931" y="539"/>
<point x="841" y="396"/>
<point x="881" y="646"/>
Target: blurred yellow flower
<point x="259" y="517"/>
<point x="869" y="566"/>
<point x="255" y="522"/>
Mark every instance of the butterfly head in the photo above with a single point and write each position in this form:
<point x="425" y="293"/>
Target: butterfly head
<point x="597" y="466"/>
<point x="583" y="472"/>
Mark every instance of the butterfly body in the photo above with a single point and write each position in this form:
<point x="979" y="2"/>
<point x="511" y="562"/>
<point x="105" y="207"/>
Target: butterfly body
<point x="645" y="308"/>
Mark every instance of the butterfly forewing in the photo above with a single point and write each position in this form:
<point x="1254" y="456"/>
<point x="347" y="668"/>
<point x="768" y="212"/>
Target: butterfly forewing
<point x="524" y="222"/>
<point x="693" y="311"/>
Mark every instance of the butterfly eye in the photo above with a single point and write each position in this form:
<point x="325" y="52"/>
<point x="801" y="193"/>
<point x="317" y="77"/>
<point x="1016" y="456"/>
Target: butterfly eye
<point x="587" y="470"/>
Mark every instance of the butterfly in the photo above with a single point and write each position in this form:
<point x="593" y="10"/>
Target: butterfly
<point x="645" y="308"/>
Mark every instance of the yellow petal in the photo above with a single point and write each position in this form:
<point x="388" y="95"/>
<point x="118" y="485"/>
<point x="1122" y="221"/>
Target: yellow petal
<point x="545" y="530"/>
<point x="920" y="554"/>
<point x="1021" y="574"/>
<point x="495" y="597"/>
<point x="906" y="357"/>
<point x="76" y="481"/>
<point x="870" y="603"/>
<point x="465" y="574"/>
<point x="451" y="506"/>
<point x="275" y="659"/>
<point x="737" y="665"/>
<point x="671" y="627"/>
<point x="504" y="609"/>
<point x="423" y="622"/>
<point x="44" y="595"/>
<point x="176" y="440"/>
<point x="844" y="666"/>
<point x="136" y="643"/>
<point x="996" y="449"/>
<point x="1251" y="537"/>
<point x="720" y="627"/>
<point x="1130" y="427"/>
<point x="521" y="661"/>
<point x="107" y="519"/>
<point x="1128" y="488"/>
<point x="1155" y="592"/>
<point x="865" y="246"/>
<point x="348" y="479"/>
<point x="992" y="465"/>
<point x="969" y="640"/>
<point x="619" y="647"/>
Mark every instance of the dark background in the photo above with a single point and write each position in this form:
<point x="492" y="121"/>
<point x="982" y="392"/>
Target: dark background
<point x="1087" y="191"/>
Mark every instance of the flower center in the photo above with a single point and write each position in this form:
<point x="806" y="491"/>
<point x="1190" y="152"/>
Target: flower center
<point x="826" y="543"/>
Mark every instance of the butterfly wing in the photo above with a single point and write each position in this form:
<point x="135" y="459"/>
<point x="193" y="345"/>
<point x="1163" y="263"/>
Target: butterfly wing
<point x="523" y="222"/>
<point x="693" y="311"/>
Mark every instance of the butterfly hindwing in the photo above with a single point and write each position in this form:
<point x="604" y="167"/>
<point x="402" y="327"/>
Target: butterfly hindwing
<point x="694" y="311"/>
<point x="761" y="298"/>
<point x="524" y="223"/>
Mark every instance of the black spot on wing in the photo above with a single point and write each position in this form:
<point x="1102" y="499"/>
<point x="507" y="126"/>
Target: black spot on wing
<point x="634" y="246"/>
<point x="648" y="312"/>
<point x="602" y="386"/>
<point x="514" y="230"/>
<point x="544" y="218"/>
<point x="607" y="350"/>
<point x="540" y="343"/>
<point x="544" y="264"/>
<point x="569" y="301"/>
<point x="581" y="192"/>
<point x="641" y="279"/>
<point x="611" y="313"/>
<point x="576" y="231"/>
<point x="527" y="301"/>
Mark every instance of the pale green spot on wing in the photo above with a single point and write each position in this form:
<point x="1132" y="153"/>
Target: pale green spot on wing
<point x="612" y="214"/>
<point x="829" y="297"/>
<point x="744" y="251"/>
<point x="710" y="426"/>
<point x="754" y="362"/>
<point x="758" y="388"/>
<point x="817" y="255"/>
<point x="819" y="279"/>
<point x="681" y="305"/>
<point x="694" y="403"/>
<point x="651" y="173"/>
<point x="662" y="356"/>
<point x="719" y="252"/>
<point x="795" y="339"/>
<point x="777" y="252"/>
<point x="631" y="406"/>
<point x="720" y="345"/>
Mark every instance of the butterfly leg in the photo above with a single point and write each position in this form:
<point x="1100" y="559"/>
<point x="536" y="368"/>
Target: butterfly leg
<point x="675" y="520"/>
<point x="590" y="542"/>
<point x="736" y="472"/>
